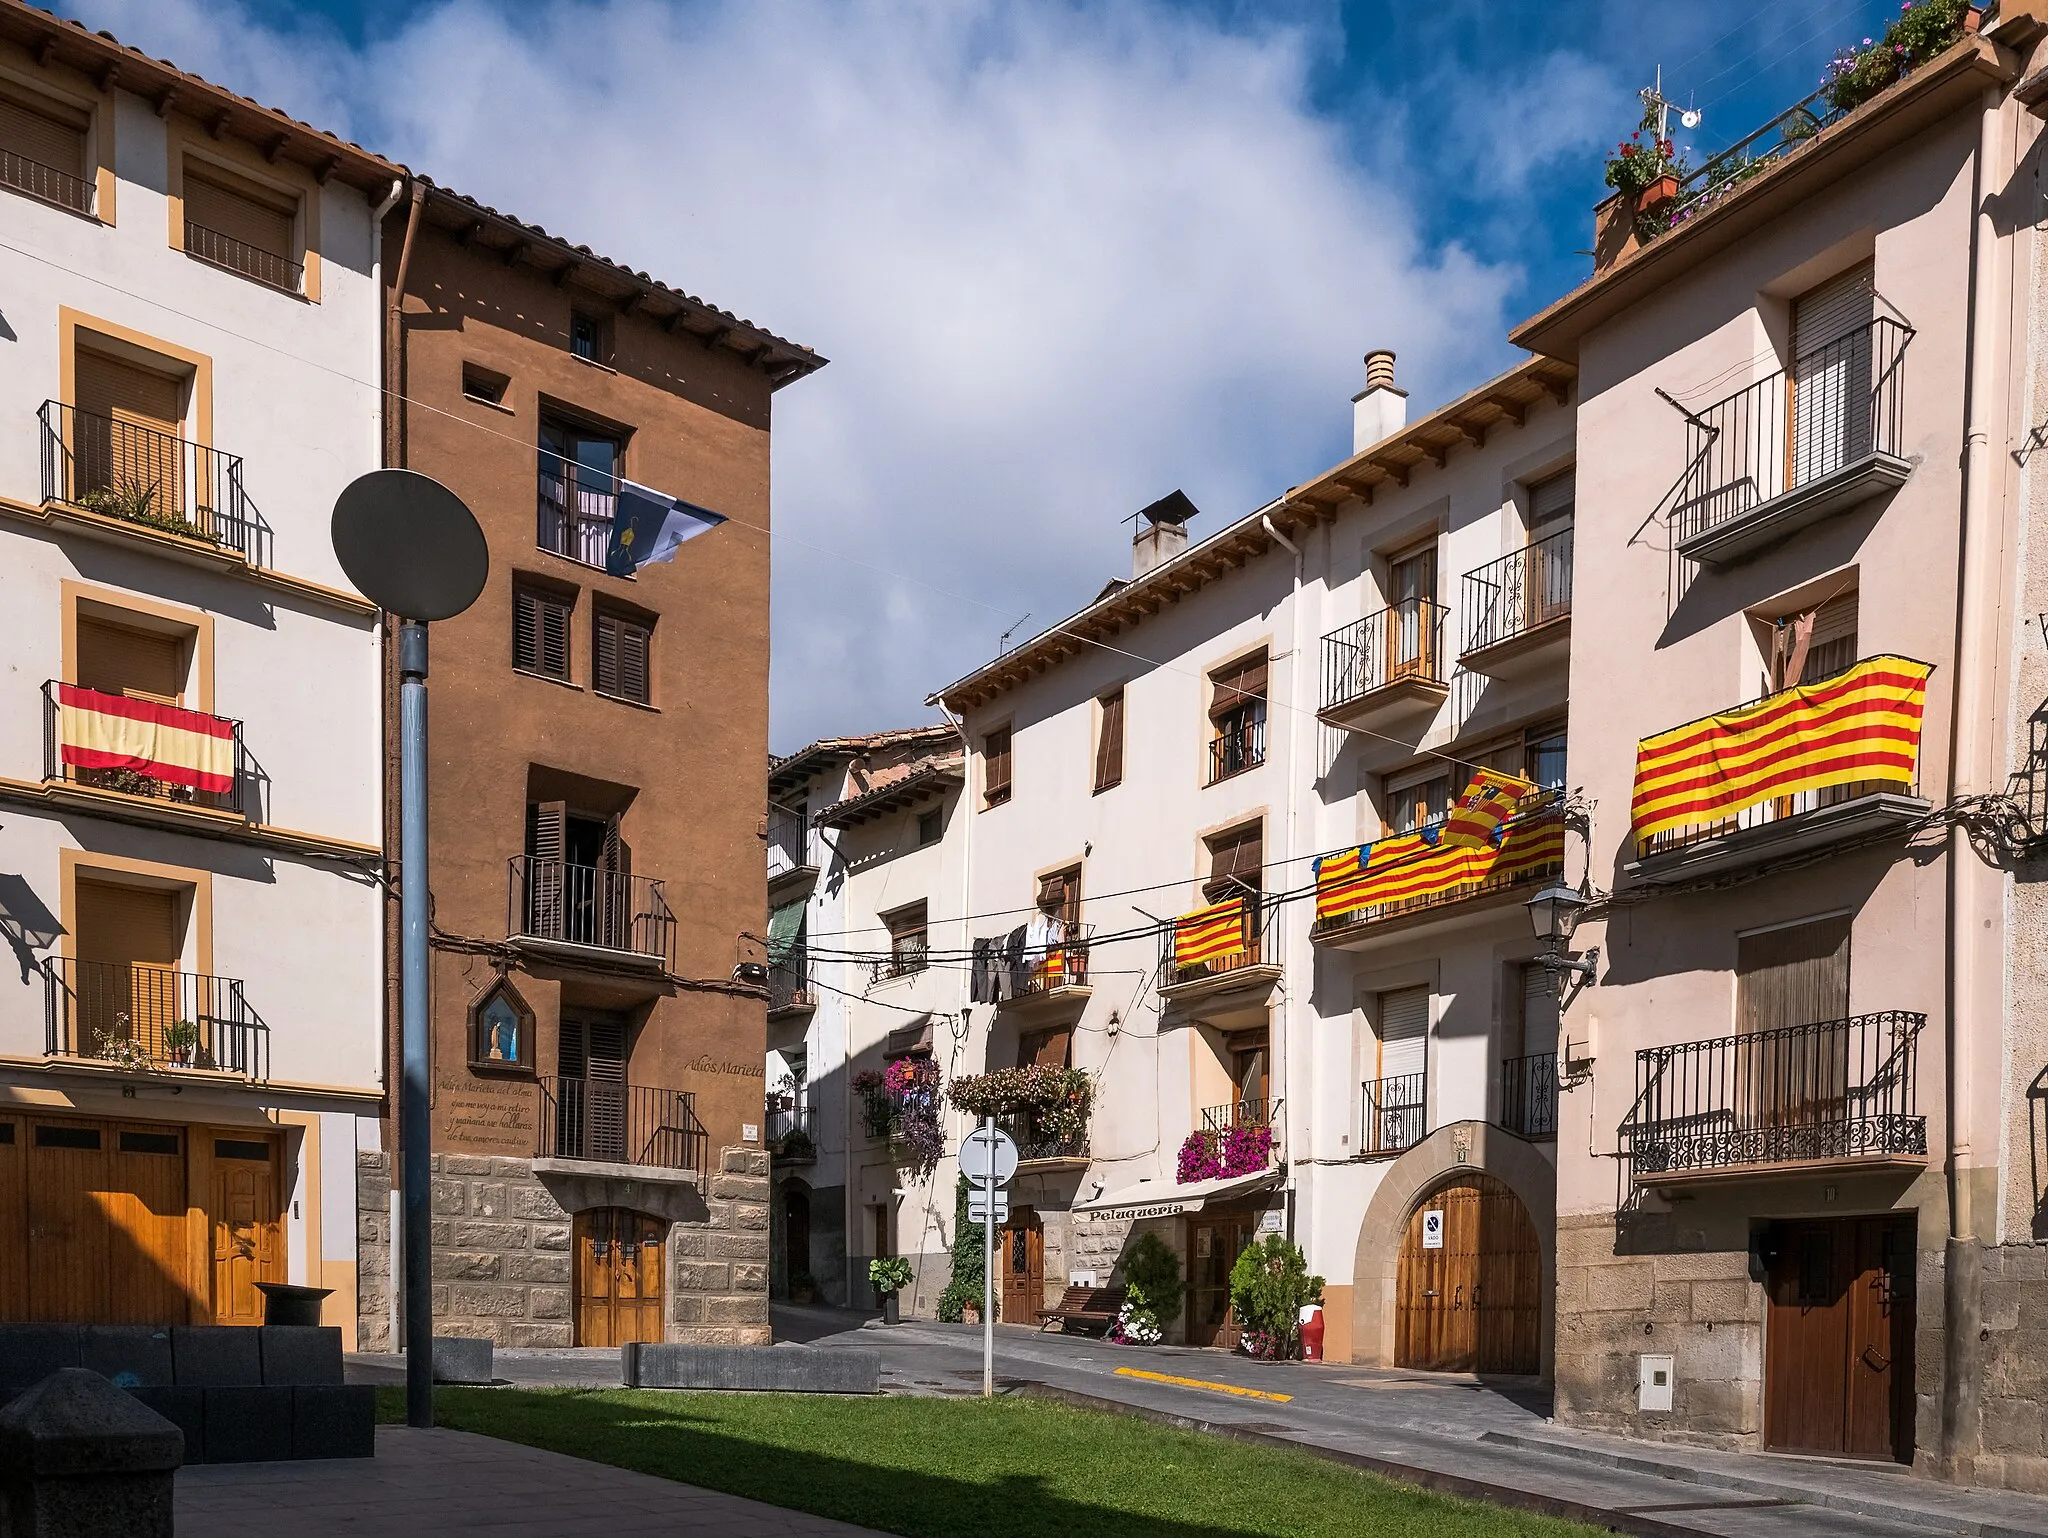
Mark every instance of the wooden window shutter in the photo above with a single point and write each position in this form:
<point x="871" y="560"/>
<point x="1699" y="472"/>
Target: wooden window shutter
<point x="525" y="629"/>
<point x="618" y="855"/>
<point x="118" y="659"/>
<point x="126" y="924"/>
<point x="995" y="766"/>
<point x="604" y="655"/>
<point x="1109" y="747"/>
<point x="48" y="134"/>
<point x="257" y="220"/>
<point x="619" y="657"/>
<point x="1045" y="1049"/>
<point x="1239" y="684"/>
<point x="635" y="646"/>
<point x="540" y="632"/>
<point x="547" y="825"/>
<point x="1798" y="975"/>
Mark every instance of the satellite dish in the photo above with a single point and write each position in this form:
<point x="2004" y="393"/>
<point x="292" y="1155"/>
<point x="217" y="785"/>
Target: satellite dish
<point x="409" y="545"/>
<point x="1690" y="118"/>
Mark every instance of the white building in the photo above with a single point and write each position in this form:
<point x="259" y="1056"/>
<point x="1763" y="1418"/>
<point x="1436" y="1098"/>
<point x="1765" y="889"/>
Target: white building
<point x="190" y="1045"/>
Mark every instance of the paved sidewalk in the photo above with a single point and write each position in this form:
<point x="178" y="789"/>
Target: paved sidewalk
<point x="453" y="1483"/>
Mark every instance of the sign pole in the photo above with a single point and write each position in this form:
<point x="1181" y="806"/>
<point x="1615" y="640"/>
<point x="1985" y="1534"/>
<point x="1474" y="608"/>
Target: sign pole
<point x="414" y="1133"/>
<point x="988" y="1271"/>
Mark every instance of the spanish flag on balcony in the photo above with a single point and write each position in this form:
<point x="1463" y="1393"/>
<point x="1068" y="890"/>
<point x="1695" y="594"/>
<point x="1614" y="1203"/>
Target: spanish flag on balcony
<point x="1478" y="816"/>
<point x="164" y="742"/>
<point x="1859" y="726"/>
<point x="1209" y="934"/>
<point x="1416" y="867"/>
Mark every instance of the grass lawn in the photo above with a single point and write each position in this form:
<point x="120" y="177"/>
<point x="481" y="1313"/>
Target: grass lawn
<point x="938" y="1468"/>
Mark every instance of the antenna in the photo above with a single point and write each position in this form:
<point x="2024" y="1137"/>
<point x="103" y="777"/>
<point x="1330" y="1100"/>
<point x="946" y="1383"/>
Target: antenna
<point x="1656" y="104"/>
<point x="1003" y="642"/>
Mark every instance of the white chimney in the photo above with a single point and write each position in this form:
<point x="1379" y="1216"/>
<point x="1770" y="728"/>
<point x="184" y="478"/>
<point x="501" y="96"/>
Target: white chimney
<point x="1379" y="410"/>
<point x="1162" y="532"/>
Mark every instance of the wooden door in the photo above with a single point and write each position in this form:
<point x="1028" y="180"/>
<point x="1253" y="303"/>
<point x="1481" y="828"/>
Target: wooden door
<point x="67" y="1226"/>
<point x="126" y="437"/>
<point x="1215" y="1244"/>
<point x="1023" y="1273"/>
<point x="619" y="1267"/>
<point x="1411" y="624"/>
<point x="14" y="1247"/>
<point x="148" y="1226"/>
<point x="248" y="1224"/>
<point x="1472" y="1303"/>
<point x="1838" y="1338"/>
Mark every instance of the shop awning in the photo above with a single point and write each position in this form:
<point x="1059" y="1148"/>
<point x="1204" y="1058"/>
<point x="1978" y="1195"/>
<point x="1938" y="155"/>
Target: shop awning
<point x="785" y="927"/>
<point x="1163" y="1199"/>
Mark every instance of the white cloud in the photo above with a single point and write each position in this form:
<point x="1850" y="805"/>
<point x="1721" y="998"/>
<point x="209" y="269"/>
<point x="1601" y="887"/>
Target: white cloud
<point x="1065" y="257"/>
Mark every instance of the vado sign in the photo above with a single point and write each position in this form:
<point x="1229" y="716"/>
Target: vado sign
<point x="1433" y="1229"/>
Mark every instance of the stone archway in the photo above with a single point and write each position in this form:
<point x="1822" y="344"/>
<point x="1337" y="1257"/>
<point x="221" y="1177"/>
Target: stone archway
<point x="1469" y="1147"/>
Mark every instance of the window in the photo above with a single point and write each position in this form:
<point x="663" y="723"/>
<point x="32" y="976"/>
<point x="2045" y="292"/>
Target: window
<point x="1059" y="896"/>
<point x="1814" y="644"/>
<point x="127" y="459"/>
<point x="1410" y="637"/>
<point x="1544" y="756"/>
<point x="1797" y="974"/>
<point x="42" y="150"/>
<point x="590" y="337"/>
<point x="1045" y="1049"/>
<point x="579" y="491"/>
<point x="540" y="631"/>
<point x="1550" y="505"/>
<point x="1109" y="742"/>
<point x="1237" y="717"/>
<point x="486" y="385"/>
<point x="907" y="940"/>
<point x="1236" y="863"/>
<point x="995" y="767"/>
<point x="620" y="653"/>
<point x="1417" y="799"/>
<point x="245" y="228"/>
<point x="931" y="826"/>
<point x="128" y="660"/>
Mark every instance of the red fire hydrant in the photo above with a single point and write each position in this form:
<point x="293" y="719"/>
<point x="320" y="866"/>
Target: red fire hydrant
<point x="1312" y="1337"/>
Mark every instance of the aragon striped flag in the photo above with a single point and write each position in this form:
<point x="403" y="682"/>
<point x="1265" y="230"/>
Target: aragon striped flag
<point x="164" y="742"/>
<point x="1861" y="726"/>
<point x="1209" y="934"/>
<point x="1478" y="816"/>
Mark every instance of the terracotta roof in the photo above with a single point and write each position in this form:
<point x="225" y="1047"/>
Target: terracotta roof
<point x="110" y="62"/>
<point x="792" y="769"/>
<point x="1425" y="444"/>
<point x="931" y="777"/>
<point x="513" y="239"/>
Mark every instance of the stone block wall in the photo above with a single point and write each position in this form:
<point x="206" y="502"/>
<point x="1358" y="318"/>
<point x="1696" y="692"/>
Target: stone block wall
<point x="2011" y="1434"/>
<point x="504" y="1262"/>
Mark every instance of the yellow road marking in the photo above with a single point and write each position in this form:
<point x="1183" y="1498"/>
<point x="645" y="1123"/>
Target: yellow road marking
<point x="1214" y="1388"/>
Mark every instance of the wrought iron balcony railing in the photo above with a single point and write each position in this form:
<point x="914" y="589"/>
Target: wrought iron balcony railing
<point x="789" y="984"/>
<point x="1528" y="1094"/>
<point x="791" y="1131"/>
<point x="1832" y="1092"/>
<point x="1509" y="871"/>
<point x="47" y="183"/>
<point x="1239" y="744"/>
<point x="1037" y="1140"/>
<point x="577" y="506"/>
<point x="1393" y="1117"/>
<point x="140" y="1015"/>
<point x="607" y="1121"/>
<point x="240" y="797"/>
<point x="793" y="844"/>
<point x="123" y="470"/>
<point x="1240" y="1113"/>
<point x="1399" y="644"/>
<point x="554" y="900"/>
<point x="238" y="256"/>
<point x="1062" y="964"/>
<point x="1837" y="405"/>
<point x="1249" y="951"/>
<point x="1519" y="592"/>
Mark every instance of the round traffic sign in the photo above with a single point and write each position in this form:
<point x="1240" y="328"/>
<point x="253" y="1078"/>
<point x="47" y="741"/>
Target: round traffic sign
<point x="409" y="545"/>
<point x="988" y="1151"/>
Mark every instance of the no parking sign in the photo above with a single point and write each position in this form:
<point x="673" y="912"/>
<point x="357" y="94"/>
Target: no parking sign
<point x="1433" y="1229"/>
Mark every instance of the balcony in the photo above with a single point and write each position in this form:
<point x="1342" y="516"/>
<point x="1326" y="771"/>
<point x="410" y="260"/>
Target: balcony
<point x="576" y="508"/>
<point x="606" y="1121"/>
<point x="793" y="850"/>
<point x="579" y="913"/>
<point x="790" y="1131"/>
<point x="1239" y="744"/>
<point x="789" y="986"/>
<point x="1518" y="611"/>
<point x="1798" y="446"/>
<point x="1392" y="1119"/>
<point x="177" y="759"/>
<point x="48" y="184"/>
<point x="1050" y="977"/>
<point x="140" y="1016"/>
<point x="1386" y="670"/>
<point x="243" y="259"/>
<point x="1042" y="1149"/>
<point x="1828" y="1096"/>
<point x="1230" y="990"/>
<point x="1528" y="1095"/>
<point x="1240" y="1113"/>
<point x="150" y="481"/>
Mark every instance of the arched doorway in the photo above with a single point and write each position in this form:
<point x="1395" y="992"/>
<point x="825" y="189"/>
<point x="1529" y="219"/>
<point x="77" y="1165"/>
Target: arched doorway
<point x="620" y="1262"/>
<point x="796" y="1232"/>
<point x="1470" y="1289"/>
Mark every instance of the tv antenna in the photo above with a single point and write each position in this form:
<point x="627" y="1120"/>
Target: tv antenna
<point x="1656" y="105"/>
<point x="1003" y="641"/>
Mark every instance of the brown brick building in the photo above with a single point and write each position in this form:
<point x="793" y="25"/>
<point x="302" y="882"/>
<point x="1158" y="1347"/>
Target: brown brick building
<point x="597" y="744"/>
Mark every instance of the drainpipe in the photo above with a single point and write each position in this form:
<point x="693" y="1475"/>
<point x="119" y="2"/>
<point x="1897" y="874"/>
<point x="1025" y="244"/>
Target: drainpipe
<point x="1296" y="671"/>
<point x="1977" y="597"/>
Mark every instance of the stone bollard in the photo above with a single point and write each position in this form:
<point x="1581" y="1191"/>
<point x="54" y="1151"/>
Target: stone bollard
<point x="80" y="1458"/>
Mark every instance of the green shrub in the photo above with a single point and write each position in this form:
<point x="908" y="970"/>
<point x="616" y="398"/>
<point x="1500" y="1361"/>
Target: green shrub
<point x="1269" y="1287"/>
<point x="1152" y="1278"/>
<point x="889" y="1273"/>
<point x="970" y="1261"/>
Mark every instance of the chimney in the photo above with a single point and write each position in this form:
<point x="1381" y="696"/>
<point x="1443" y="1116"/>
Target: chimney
<point x="1162" y="532"/>
<point x="1379" y="410"/>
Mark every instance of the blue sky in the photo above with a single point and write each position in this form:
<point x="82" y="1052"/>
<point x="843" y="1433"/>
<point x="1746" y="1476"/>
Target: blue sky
<point x="1066" y="255"/>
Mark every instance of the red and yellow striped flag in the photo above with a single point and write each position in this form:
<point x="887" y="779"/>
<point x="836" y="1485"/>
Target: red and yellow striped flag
<point x="1209" y="934"/>
<point x="1488" y="802"/>
<point x="165" y="742"/>
<point x="1863" y="725"/>
<point x="1410" y="868"/>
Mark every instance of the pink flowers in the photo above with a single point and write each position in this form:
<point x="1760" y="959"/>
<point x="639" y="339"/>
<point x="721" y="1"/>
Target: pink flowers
<point x="1222" y="1155"/>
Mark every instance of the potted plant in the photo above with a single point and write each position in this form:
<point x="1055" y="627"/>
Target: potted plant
<point x="803" y="1287"/>
<point x="181" y="1042"/>
<point x="1152" y="1293"/>
<point x="1269" y="1287"/>
<point x="889" y="1275"/>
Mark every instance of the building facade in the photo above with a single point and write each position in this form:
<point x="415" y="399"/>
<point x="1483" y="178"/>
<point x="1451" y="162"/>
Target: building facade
<point x="597" y="1051"/>
<point x="190" y="1055"/>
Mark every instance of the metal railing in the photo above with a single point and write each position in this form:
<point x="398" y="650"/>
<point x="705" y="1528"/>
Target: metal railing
<point x="1545" y="802"/>
<point x="1528" y="1094"/>
<point x="1798" y="125"/>
<point x="1804" y="1094"/>
<point x="238" y="256"/>
<point x="141" y="1015"/>
<point x="1062" y="964"/>
<point x="906" y="958"/>
<point x="611" y="1122"/>
<point x="1392" y="1118"/>
<point x="1835" y="405"/>
<point x="793" y="844"/>
<point x="134" y="782"/>
<point x="1519" y="592"/>
<point x="790" y="1131"/>
<point x="139" y="475"/>
<point x="1239" y="744"/>
<point x="1240" y="1113"/>
<point x="1399" y="644"/>
<point x="582" y="905"/>
<point x="789" y="983"/>
<point x="576" y="508"/>
<point x="47" y="183"/>
<point x="1035" y="1140"/>
<point x="1249" y="953"/>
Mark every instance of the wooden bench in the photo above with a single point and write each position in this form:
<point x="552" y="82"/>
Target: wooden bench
<point x="1094" y="1309"/>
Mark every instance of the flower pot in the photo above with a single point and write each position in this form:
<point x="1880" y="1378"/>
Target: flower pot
<point x="891" y="1313"/>
<point x="1312" y="1335"/>
<point x="1663" y="190"/>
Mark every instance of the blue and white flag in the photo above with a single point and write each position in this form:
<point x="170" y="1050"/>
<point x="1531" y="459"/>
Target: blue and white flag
<point x="649" y="525"/>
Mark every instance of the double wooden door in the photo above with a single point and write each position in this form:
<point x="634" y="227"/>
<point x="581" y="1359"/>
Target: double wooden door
<point x="620" y="1258"/>
<point x="1469" y="1295"/>
<point x="1215" y="1244"/>
<point x="1838" y="1338"/>
<point x="1023" y="1268"/>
